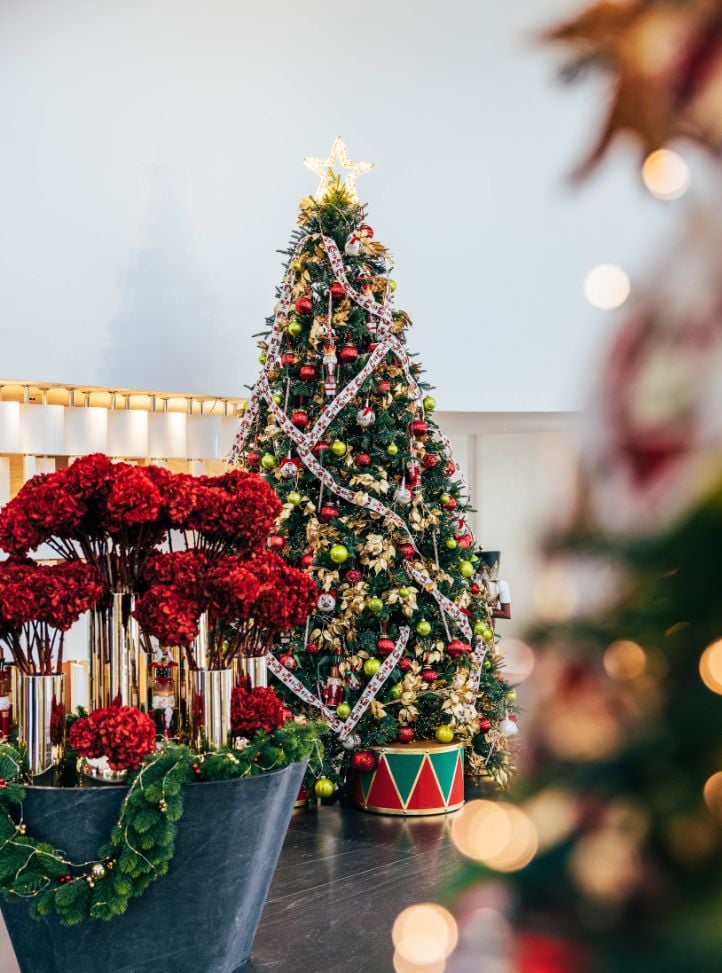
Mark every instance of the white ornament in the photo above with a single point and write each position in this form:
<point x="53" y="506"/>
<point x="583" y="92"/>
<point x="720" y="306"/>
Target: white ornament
<point x="353" y="246"/>
<point x="508" y="728"/>
<point x="365" y="417"/>
<point x="403" y="496"/>
<point x="352" y="741"/>
<point x="288" y="469"/>
<point x="326" y="601"/>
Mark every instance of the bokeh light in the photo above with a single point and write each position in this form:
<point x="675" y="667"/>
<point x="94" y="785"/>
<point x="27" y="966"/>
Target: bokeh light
<point x="666" y="174"/>
<point x="518" y="660"/>
<point x="424" y="935"/>
<point x="554" y="593"/>
<point x="607" y="286"/>
<point x="713" y="794"/>
<point x="710" y="667"/>
<point x="554" y="813"/>
<point x="624" y="660"/>
<point x="500" y="835"/>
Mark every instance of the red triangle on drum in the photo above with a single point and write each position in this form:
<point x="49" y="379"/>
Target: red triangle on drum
<point x="426" y="795"/>
<point x="357" y="792"/>
<point x="457" y="788"/>
<point x="383" y="793"/>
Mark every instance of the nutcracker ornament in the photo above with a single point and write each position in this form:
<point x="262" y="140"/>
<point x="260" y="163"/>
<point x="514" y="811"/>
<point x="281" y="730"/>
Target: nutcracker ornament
<point x="498" y="595"/>
<point x="6" y="709"/>
<point x="330" y="364"/>
<point x="164" y="701"/>
<point x="333" y="690"/>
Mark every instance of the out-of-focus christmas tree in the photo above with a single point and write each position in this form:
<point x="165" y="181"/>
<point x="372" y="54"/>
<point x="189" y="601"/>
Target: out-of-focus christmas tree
<point x="402" y="644"/>
<point x="615" y="841"/>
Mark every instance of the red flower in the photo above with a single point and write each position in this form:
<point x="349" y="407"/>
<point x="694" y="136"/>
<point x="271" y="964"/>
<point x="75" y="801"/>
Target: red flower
<point x="168" y="614"/>
<point x="286" y="595"/>
<point x="123" y="734"/>
<point x="238" y="508"/>
<point x="255" y="709"/>
<point x="185" y="570"/>
<point x="133" y="499"/>
<point x="44" y="507"/>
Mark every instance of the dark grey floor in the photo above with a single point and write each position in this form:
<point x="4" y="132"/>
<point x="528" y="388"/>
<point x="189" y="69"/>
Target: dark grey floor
<point x="342" y="879"/>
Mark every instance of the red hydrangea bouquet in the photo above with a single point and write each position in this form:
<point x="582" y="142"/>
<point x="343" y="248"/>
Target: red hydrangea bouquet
<point x="122" y="735"/>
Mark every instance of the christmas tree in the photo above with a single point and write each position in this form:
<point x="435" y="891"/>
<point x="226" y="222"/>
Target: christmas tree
<point x="401" y="645"/>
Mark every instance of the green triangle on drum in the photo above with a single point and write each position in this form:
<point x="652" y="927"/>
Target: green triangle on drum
<point x="365" y="780"/>
<point x="426" y="796"/>
<point x="404" y="769"/>
<point x="383" y="793"/>
<point x="444" y="765"/>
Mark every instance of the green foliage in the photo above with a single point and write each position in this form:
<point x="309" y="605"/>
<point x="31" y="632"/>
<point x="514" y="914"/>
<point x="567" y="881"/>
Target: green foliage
<point x="141" y="844"/>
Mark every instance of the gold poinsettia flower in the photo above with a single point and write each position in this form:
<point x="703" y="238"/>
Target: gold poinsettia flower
<point x="377" y="709"/>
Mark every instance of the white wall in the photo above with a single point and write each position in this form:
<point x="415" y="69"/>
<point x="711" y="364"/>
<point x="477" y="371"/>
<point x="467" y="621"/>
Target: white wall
<point x="150" y="167"/>
<point x="518" y="467"/>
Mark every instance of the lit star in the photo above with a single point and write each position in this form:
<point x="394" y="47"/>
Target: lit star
<point x="325" y="169"/>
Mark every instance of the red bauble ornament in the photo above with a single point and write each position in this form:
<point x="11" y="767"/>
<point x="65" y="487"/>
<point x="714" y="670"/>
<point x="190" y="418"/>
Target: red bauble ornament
<point x="304" y="305"/>
<point x="363" y="762"/>
<point x="450" y="504"/>
<point x="456" y="648"/>
<point x="404" y="664"/>
<point x="383" y="387"/>
<point x="474" y="588"/>
<point x="407" y="551"/>
<point x="253" y="458"/>
<point x="418" y="428"/>
<point x="289" y="662"/>
<point x="300" y="419"/>
<point x="337" y="291"/>
<point x="353" y="576"/>
<point x="365" y="230"/>
<point x="276" y="542"/>
<point x="307" y="372"/>
<point x="362" y="459"/>
<point x="348" y="354"/>
<point x="385" y="646"/>
<point x="313" y="648"/>
<point x="429" y="675"/>
<point x="450" y="469"/>
<point x="484" y="725"/>
<point x="405" y="734"/>
<point x="464" y="541"/>
<point x="429" y="461"/>
<point x="306" y="560"/>
<point x="328" y="512"/>
<point x="288" y="359"/>
<point x="320" y="448"/>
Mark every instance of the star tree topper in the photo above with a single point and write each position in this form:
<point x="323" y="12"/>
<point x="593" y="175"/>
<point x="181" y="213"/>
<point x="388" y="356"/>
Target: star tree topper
<point x="325" y="169"/>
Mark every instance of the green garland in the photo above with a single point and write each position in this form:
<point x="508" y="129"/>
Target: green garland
<point x="142" y="842"/>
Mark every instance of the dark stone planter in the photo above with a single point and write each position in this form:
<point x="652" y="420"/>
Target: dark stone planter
<point x="199" y="918"/>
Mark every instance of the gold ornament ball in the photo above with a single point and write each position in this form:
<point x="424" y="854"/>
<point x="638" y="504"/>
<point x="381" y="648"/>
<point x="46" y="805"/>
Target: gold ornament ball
<point x="466" y="569"/>
<point x="511" y="696"/>
<point x="392" y="285"/>
<point x="404" y="592"/>
<point x="343" y="710"/>
<point x="294" y="328"/>
<point x="444" y="498"/>
<point x="479" y="628"/>
<point x="338" y="553"/>
<point x="262" y="358"/>
<point x="487" y="634"/>
<point x="297" y="266"/>
<point x="429" y="403"/>
<point x="396" y="690"/>
<point x="392" y="449"/>
<point x="268" y="461"/>
<point x="452" y="543"/>
<point x="375" y="605"/>
<point x="338" y="448"/>
<point x="324" y="787"/>
<point x="444" y="733"/>
<point x="423" y="628"/>
<point x="294" y="497"/>
<point x="98" y="871"/>
<point x="276" y="398"/>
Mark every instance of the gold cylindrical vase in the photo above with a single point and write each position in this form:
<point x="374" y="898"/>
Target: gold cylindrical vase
<point x="42" y="721"/>
<point x="254" y="669"/>
<point x="118" y="663"/>
<point x="210" y="709"/>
